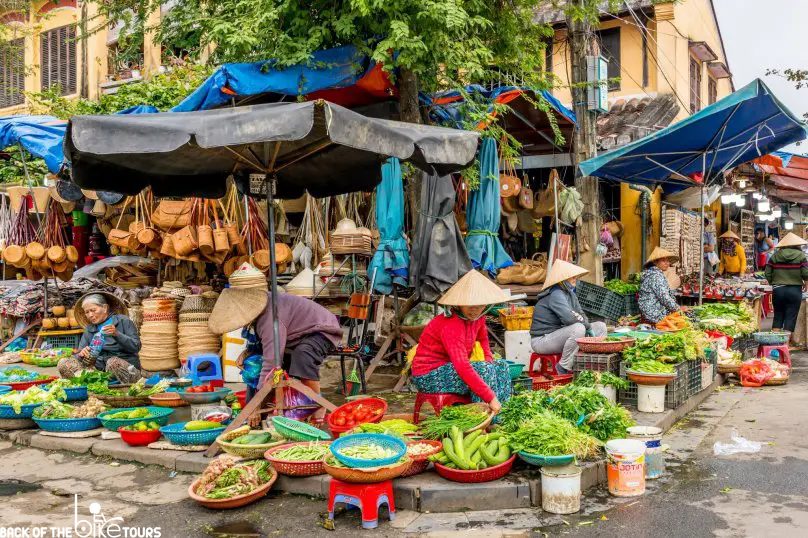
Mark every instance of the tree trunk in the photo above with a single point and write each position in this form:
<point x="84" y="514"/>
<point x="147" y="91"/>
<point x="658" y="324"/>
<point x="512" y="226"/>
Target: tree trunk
<point x="582" y="45"/>
<point x="410" y="112"/>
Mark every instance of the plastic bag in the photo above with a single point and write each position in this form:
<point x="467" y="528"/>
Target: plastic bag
<point x="739" y="445"/>
<point x="755" y="373"/>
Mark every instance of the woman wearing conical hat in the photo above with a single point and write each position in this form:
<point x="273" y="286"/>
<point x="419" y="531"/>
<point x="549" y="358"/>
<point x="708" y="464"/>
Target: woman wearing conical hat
<point x="733" y="258"/>
<point x="656" y="298"/>
<point x="441" y="362"/>
<point x="558" y="319"/>
<point x="787" y="272"/>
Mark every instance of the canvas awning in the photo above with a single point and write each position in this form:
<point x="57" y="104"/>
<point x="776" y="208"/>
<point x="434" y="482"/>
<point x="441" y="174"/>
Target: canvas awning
<point x="740" y="127"/>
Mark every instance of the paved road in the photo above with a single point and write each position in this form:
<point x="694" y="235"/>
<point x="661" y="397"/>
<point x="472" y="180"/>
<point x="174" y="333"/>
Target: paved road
<point x="762" y="494"/>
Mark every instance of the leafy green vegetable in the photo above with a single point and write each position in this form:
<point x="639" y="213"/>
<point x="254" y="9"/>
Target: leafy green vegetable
<point x="548" y="434"/>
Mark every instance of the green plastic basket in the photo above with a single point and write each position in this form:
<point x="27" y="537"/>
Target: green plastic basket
<point x="294" y="430"/>
<point x="545" y="461"/>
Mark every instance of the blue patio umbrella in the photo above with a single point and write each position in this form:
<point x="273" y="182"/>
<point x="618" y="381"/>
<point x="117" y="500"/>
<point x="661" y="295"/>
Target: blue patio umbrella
<point x="482" y="215"/>
<point x="392" y="259"/>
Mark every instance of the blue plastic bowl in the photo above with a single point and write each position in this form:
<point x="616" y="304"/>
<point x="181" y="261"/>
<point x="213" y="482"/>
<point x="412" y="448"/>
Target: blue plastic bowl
<point x="386" y="441"/>
<point x="27" y="411"/>
<point x="176" y="434"/>
<point x="67" y="424"/>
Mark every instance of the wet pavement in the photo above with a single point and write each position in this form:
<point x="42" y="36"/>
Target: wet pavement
<point x="763" y="494"/>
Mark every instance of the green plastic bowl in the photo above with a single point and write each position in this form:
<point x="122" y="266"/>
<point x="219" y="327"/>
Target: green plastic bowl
<point x="546" y="461"/>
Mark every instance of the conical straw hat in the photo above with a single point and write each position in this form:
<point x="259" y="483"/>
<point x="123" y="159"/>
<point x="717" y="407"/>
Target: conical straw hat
<point x="561" y="271"/>
<point x="729" y="234"/>
<point x="474" y="289"/>
<point x="791" y="240"/>
<point x="660" y="253"/>
<point x="242" y="302"/>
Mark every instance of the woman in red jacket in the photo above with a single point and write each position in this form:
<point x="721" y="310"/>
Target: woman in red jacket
<point x="441" y="362"/>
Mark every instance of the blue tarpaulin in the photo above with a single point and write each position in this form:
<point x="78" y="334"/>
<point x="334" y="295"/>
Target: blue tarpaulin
<point x="328" y="69"/>
<point x="41" y="136"/>
<point x="482" y="215"/>
<point x="740" y="127"/>
<point x="392" y="259"/>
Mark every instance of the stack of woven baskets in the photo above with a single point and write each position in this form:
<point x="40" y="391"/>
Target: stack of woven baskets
<point x="158" y="335"/>
<point x="194" y="334"/>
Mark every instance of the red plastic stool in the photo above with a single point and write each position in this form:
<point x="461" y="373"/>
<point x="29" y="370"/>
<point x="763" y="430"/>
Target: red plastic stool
<point x="438" y="400"/>
<point x="782" y="349"/>
<point x="367" y="497"/>
<point x="548" y="363"/>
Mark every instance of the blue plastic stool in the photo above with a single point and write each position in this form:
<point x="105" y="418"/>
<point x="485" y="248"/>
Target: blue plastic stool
<point x="212" y="373"/>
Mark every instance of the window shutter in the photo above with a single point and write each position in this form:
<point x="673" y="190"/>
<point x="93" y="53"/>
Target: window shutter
<point x="12" y="73"/>
<point x="58" y="54"/>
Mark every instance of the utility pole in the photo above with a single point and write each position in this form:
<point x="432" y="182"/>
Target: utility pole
<point x="582" y="43"/>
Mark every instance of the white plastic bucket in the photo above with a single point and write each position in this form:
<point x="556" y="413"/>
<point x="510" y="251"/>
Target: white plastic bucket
<point x="625" y="470"/>
<point x="654" y="451"/>
<point x="651" y="399"/>
<point x="561" y="489"/>
<point x="608" y="391"/>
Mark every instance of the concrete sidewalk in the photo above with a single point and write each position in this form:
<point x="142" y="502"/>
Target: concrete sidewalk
<point x="424" y="493"/>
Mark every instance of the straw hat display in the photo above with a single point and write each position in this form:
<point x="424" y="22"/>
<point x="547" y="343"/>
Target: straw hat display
<point x="660" y="253"/>
<point x="791" y="240"/>
<point x="561" y="271"/>
<point x="242" y="302"/>
<point x="729" y="234"/>
<point x="116" y="306"/>
<point x="158" y="335"/>
<point x="474" y="289"/>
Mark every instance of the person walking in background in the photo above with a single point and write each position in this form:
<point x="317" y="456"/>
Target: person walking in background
<point x="787" y="272"/>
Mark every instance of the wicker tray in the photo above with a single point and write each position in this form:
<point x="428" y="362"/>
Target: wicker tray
<point x="295" y="468"/>
<point x="124" y="401"/>
<point x="233" y="502"/>
<point x="366" y="476"/>
<point x="249" y="451"/>
<point x="598" y="344"/>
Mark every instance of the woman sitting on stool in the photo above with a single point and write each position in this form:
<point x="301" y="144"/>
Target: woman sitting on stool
<point x="558" y="319"/>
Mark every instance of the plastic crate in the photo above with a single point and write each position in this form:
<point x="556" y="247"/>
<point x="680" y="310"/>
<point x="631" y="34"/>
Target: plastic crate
<point x="599" y="301"/>
<point x="675" y="391"/>
<point x="598" y="362"/>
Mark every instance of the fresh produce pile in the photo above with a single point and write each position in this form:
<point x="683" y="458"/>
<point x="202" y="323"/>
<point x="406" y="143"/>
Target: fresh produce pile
<point x="651" y="366"/>
<point x="137" y="390"/>
<point x="673" y="322"/>
<point x="550" y="435"/>
<point x="367" y="451"/>
<point x="201" y="425"/>
<point x="464" y="417"/>
<point x="142" y="426"/>
<point x="309" y="452"/>
<point x="671" y="348"/>
<point x="15" y="374"/>
<point x="396" y="427"/>
<point x="733" y="319"/>
<point x="226" y="477"/>
<point x="357" y="414"/>
<point x="473" y="451"/>
<point x="58" y="410"/>
<point x="33" y="395"/>
<point x="588" y="378"/>
<point x="621" y="288"/>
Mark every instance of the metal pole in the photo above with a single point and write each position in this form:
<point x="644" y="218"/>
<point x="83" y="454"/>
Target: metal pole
<point x="270" y="183"/>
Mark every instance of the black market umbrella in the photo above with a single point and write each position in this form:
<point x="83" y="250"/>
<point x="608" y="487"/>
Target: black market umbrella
<point x="284" y="149"/>
<point x="439" y="256"/>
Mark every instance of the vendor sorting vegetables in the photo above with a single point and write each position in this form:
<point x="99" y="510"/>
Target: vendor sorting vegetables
<point x="787" y="272"/>
<point x="308" y="332"/>
<point x="558" y="319"/>
<point x="656" y="298"/>
<point x="733" y="258"/>
<point x="110" y="341"/>
<point x="441" y="362"/>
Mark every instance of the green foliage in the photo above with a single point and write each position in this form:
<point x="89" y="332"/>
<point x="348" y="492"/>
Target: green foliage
<point x="162" y="91"/>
